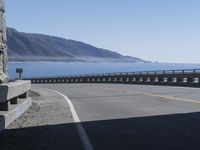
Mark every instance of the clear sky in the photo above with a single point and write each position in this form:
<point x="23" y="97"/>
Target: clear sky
<point x="156" y="30"/>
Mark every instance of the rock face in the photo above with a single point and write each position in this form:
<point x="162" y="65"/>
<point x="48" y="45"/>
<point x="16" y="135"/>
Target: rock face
<point x="3" y="47"/>
<point x="37" y="47"/>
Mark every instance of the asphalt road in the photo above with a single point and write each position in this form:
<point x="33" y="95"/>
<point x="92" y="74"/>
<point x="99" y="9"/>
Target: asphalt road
<point x="136" y="117"/>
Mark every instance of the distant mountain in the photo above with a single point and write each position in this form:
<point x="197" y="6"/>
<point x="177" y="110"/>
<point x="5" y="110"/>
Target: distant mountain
<point x="38" y="47"/>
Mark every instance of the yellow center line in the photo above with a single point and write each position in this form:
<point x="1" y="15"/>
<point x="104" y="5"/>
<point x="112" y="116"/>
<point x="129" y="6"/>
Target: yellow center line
<point x="157" y="95"/>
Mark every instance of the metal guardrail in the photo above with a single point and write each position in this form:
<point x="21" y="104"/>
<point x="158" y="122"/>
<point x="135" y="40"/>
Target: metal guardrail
<point x="188" y="77"/>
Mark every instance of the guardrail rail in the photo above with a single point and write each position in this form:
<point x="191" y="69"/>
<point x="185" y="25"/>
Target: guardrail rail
<point x="188" y="77"/>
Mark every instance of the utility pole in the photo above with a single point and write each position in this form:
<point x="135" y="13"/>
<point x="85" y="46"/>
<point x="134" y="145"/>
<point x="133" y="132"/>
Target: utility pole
<point x="3" y="46"/>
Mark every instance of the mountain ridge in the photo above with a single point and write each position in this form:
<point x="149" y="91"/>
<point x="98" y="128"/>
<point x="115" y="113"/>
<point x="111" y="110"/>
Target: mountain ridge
<point x="39" y="47"/>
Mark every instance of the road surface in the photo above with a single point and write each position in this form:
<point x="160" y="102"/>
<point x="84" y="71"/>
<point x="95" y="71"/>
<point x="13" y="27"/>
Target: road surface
<point x="132" y="117"/>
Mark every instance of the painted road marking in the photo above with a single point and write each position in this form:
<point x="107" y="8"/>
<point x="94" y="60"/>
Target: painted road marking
<point x="81" y="131"/>
<point x="158" y="95"/>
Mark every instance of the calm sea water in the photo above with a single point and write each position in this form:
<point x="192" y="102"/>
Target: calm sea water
<point x="61" y="68"/>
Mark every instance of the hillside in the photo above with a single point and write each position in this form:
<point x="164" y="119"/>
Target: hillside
<point x="38" y="47"/>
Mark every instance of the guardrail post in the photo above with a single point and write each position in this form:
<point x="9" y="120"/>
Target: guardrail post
<point x="25" y="95"/>
<point x="4" y="106"/>
<point x="13" y="101"/>
<point x="145" y="80"/>
<point x="148" y="80"/>
<point x="127" y="79"/>
<point x="155" y="80"/>
<point x="141" y="79"/>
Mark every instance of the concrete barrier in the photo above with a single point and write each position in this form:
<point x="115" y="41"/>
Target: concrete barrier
<point x="7" y="117"/>
<point x="14" y="101"/>
<point x="10" y="92"/>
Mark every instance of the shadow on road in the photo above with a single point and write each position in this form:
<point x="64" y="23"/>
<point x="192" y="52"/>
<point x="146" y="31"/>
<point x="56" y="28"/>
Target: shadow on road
<point x="166" y="132"/>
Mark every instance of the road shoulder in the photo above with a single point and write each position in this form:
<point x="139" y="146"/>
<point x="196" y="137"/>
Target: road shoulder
<point x="48" y="124"/>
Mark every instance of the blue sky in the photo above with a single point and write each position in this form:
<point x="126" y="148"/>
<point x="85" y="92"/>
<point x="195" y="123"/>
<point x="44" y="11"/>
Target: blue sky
<point x="156" y="30"/>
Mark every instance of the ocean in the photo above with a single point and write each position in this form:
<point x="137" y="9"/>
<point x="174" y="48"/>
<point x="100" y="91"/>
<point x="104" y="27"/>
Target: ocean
<point x="36" y="69"/>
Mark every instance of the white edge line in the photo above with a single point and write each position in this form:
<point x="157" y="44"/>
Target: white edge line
<point x="81" y="131"/>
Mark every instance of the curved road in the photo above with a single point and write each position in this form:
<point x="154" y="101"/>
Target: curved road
<point x="127" y="117"/>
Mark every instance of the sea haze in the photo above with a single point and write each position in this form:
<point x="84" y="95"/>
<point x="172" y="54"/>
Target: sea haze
<point x="61" y="68"/>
